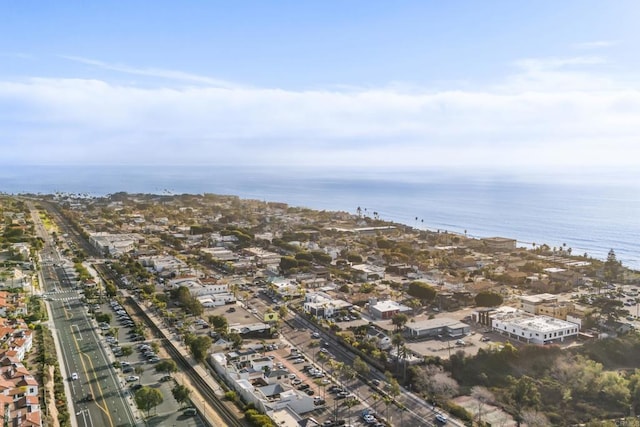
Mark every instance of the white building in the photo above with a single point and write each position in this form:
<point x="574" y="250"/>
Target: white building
<point x="114" y="244"/>
<point x="322" y="305"/>
<point x="534" y="329"/>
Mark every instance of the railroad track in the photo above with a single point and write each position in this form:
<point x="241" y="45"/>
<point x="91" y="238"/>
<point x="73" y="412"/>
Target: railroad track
<point x="203" y="387"/>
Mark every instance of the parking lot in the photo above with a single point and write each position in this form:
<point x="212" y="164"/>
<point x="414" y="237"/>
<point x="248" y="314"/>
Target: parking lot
<point x="135" y="358"/>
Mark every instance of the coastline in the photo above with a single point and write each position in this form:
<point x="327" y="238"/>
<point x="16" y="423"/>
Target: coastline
<point x="591" y="219"/>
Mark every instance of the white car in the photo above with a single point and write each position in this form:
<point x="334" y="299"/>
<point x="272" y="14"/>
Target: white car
<point x="369" y="419"/>
<point x="132" y="378"/>
<point x="74" y="376"/>
<point x="442" y="419"/>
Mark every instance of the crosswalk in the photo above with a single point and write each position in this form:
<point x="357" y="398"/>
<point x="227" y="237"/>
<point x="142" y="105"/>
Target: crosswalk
<point x="62" y="295"/>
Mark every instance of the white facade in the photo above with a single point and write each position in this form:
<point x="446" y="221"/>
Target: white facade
<point x="534" y="329"/>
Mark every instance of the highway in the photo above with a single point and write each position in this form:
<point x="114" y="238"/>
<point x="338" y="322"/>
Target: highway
<point x="79" y="348"/>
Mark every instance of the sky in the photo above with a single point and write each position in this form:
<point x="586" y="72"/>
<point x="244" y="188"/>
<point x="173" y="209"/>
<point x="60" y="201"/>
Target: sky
<point x="503" y="85"/>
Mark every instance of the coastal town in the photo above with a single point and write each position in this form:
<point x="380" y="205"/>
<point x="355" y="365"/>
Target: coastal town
<point x="216" y="310"/>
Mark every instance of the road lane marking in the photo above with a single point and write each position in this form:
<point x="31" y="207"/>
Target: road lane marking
<point x="76" y="330"/>
<point x="84" y="367"/>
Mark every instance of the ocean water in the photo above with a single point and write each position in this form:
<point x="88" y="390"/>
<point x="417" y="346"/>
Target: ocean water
<point x="587" y="213"/>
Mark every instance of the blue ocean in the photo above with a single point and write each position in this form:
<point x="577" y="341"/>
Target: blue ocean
<point x="587" y="213"/>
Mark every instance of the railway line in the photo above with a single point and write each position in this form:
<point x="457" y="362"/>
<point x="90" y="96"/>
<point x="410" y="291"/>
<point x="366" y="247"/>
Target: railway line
<point x="203" y="387"/>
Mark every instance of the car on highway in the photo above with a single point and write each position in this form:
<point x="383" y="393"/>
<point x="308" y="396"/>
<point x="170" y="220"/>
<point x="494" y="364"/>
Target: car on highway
<point x="132" y="378"/>
<point x="315" y="335"/>
<point x="74" y="376"/>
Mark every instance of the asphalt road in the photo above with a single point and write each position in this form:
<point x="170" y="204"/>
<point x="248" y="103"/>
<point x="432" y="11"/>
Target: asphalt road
<point x="80" y="349"/>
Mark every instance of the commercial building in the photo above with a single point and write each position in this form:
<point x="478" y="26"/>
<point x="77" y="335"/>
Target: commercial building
<point x="534" y="329"/>
<point x="440" y="327"/>
<point x="382" y="310"/>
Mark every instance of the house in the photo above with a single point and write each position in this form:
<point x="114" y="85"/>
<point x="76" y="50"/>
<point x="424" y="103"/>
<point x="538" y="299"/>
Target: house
<point x="368" y="272"/>
<point x="383" y="341"/>
<point x="382" y="310"/>
<point x="275" y="376"/>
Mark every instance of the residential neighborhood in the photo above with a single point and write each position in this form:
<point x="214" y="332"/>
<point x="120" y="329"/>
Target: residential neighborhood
<point x="315" y="318"/>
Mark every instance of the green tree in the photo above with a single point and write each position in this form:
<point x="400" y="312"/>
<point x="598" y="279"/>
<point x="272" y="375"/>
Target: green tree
<point x="287" y="263"/>
<point x="199" y="347"/>
<point x="181" y="394"/>
<point x="236" y="340"/>
<point x="219" y="323"/>
<point x="399" y="320"/>
<point x="611" y="267"/>
<point x="522" y="394"/>
<point x="167" y="366"/>
<point x="361" y="367"/>
<point x="103" y="317"/>
<point x="127" y="351"/>
<point x="422" y="291"/>
<point x="488" y="299"/>
<point x="148" y="398"/>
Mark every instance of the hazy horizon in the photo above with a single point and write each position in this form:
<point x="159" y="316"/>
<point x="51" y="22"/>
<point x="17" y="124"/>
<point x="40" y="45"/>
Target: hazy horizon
<point x="514" y="88"/>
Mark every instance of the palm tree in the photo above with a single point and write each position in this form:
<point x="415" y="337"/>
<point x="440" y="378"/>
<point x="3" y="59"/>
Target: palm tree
<point x="397" y="341"/>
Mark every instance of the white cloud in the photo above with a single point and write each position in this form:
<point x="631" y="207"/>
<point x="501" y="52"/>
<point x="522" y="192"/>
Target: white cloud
<point x="154" y="72"/>
<point x="551" y="113"/>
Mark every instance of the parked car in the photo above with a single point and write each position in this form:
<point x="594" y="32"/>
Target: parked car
<point x="166" y="378"/>
<point x="132" y="378"/>
<point x="440" y="418"/>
